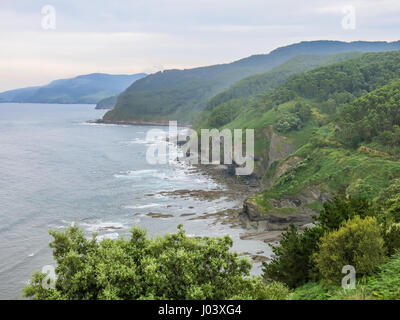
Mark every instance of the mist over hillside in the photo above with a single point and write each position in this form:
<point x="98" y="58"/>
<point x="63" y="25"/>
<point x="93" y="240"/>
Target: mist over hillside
<point x="182" y="94"/>
<point x="89" y="88"/>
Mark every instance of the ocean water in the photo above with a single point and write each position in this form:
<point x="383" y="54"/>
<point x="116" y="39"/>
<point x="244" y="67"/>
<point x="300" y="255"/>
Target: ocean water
<point x="56" y="169"/>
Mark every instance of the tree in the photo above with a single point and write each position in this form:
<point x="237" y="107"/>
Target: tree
<point x="170" y="267"/>
<point x="293" y="263"/>
<point x="391" y="235"/>
<point x="358" y="243"/>
<point x="388" y="206"/>
<point x="287" y="121"/>
<point x="342" y="208"/>
<point x="303" y="111"/>
<point x="374" y="117"/>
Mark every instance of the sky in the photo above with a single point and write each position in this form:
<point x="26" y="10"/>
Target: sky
<point x="46" y="40"/>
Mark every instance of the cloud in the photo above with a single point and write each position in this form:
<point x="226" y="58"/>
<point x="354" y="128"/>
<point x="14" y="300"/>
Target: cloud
<point x="139" y="35"/>
<point x="248" y="28"/>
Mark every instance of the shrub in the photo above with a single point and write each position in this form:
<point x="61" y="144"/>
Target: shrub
<point x="341" y="209"/>
<point x="314" y="291"/>
<point x="388" y="206"/>
<point x="286" y="122"/>
<point x="391" y="235"/>
<point x="303" y="111"/>
<point x="272" y="291"/>
<point x="276" y="291"/>
<point x="358" y="243"/>
<point x="293" y="264"/>
<point x="385" y="284"/>
<point x="171" y="267"/>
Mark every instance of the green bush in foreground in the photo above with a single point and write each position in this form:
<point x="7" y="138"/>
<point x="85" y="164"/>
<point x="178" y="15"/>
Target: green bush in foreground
<point x="293" y="263"/>
<point x="170" y="267"/>
<point x="358" y="243"/>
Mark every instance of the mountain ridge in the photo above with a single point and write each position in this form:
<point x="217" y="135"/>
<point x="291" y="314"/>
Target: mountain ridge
<point x="182" y="94"/>
<point x="89" y="88"/>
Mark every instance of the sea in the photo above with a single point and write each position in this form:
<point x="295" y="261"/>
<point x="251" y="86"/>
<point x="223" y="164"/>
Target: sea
<point x="56" y="169"/>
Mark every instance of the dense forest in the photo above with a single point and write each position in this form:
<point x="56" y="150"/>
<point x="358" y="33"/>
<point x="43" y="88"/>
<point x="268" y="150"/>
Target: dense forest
<point x="374" y="119"/>
<point x="225" y="106"/>
<point x="182" y="94"/>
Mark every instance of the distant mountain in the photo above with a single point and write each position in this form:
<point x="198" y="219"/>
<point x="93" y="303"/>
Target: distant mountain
<point x="89" y="88"/>
<point x="182" y="94"/>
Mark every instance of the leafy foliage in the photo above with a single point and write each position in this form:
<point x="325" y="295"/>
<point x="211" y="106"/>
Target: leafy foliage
<point x="358" y="243"/>
<point x="170" y="267"/>
<point x="355" y="76"/>
<point x="260" y="84"/>
<point x="341" y="209"/>
<point x="388" y="204"/>
<point x="292" y="263"/>
<point x="294" y="119"/>
<point x="374" y="117"/>
<point x="286" y="122"/>
<point x="385" y="283"/>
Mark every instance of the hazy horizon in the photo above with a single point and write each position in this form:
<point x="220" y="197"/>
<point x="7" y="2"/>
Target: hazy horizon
<point x="136" y="36"/>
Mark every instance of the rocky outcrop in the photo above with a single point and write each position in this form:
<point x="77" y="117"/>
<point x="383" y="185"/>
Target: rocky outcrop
<point x="279" y="147"/>
<point x="285" y="211"/>
<point x="275" y="219"/>
<point x="288" y="164"/>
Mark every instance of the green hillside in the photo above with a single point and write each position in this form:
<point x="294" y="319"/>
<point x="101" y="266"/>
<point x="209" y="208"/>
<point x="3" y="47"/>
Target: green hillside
<point x="332" y="127"/>
<point x="107" y="103"/>
<point x="327" y="152"/>
<point x="225" y="106"/>
<point x="182" y="94"/>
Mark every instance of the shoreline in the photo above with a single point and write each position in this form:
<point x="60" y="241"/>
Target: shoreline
<point x="139" y="123"/>
<point x="238" y="189"/>
<point x="237" y="217"/>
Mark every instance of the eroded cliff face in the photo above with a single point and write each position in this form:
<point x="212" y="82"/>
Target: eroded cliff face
<point x="270" y="164"/>
<point x="278" y="148"/>
<point x="281" y="212"/>
<point x="277" y="220"/>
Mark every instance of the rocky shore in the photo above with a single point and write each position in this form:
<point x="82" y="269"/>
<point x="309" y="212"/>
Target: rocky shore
<point x="265" y="226"/>
<point x="138" y="122"/>
<point x="259" y="225"/>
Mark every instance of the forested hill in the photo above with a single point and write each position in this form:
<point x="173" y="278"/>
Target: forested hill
<point x="182" y="94"/>
<point x="259" y="83"/>
<point x="89" y="88"/>
<point x="330" y="128"/>
<point x="225" y="106"/>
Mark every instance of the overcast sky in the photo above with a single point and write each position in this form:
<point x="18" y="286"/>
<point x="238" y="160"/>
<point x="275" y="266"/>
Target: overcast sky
<point x="150" y="35"/>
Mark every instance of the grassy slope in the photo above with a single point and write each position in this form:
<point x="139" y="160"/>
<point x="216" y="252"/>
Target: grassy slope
<point x="323" y="163"/>
<point x="384" y="284"/>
